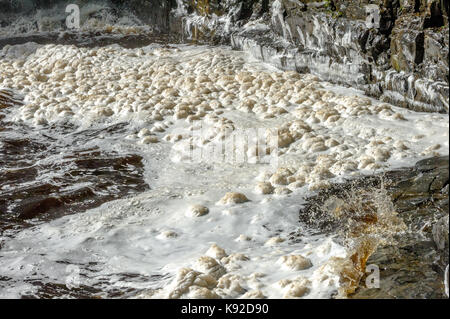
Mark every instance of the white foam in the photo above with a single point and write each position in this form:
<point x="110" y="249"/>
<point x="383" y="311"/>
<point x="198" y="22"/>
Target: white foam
<point x="326" y="132"/>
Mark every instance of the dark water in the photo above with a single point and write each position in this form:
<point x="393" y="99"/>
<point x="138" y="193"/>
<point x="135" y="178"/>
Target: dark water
<point x="55" y="171"/>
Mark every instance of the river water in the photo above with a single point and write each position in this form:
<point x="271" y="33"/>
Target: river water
<point x="178" y="171"/>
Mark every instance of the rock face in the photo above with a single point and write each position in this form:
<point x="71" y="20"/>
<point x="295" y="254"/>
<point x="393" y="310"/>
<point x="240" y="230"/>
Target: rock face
<point x="393" y="50"/>
<point x="153" y="12"/>
<point x="396" y="50"/>
<point x="413" y="264"/>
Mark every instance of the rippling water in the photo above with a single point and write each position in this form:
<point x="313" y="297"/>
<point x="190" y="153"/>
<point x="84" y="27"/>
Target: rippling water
<point x="55" y="171"/>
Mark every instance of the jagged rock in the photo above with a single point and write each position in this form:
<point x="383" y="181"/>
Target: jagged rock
<point x="394" y="50"/>
<point x="407" y="43"/>
<point x="391" y="51"/>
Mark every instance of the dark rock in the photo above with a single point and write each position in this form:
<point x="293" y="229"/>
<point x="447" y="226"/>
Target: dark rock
<point x="152" y="12"/>
<point x="407" y="43"/>
<point x="440" y="234"/>
<point x="393" y="50"/>
<point x="32" y="208"/>
<point x="412" y="265"/>
<point x="79" y="179"/>
<point x="432" y="163"/>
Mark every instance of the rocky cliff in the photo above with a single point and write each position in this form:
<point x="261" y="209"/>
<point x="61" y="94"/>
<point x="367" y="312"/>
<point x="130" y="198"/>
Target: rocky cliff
<point x="396" y="50"/>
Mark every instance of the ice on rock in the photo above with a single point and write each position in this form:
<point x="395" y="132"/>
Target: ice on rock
<point x="295" y="262"/>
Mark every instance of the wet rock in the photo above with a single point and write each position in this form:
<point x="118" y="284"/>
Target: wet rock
<point x="394" y="51"/>
<point x="413" y="264"/>
<point x="35" y="207"/>
<point x="153" y="12"/>
<point x="79" y="179"/>
<point x="407" y="43"/>
<point x="432" y="163"/>
<point x="440" y="234"/>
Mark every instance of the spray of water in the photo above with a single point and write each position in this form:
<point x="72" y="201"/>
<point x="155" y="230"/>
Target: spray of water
<point x="365" y="218"/>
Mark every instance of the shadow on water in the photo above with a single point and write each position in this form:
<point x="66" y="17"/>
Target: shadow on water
<point x="49" y="173"/>
<point x="56" y="171"/>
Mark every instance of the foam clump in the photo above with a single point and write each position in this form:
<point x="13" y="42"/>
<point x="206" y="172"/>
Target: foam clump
<point x="216" y="252"/>
<point x="196" y="292"/>
<point x="149" y="139"/>
<point x="230" y="285"/>
<point x="233" y="198"/>
<point x="295" y="288"/>
<point x="167" y="234"/>
<point x="188" y="281"/>
<point x="91" y="85"/>
<point x="282" y="191"/>
<point x="253" y="294"/>
<point x="321" y="134"/>
<point x="233" y="261"/>
<point x="264" y="188"/>
<point x="243" y="238"/>
<point x="273" y="241"/>
<point x="295" y="262"/>
<point x="197" y="210"/>
<point x="210" y="266"/>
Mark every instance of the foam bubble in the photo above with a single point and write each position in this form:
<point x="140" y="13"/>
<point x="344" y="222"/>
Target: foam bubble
<point x="295" y="262"/>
